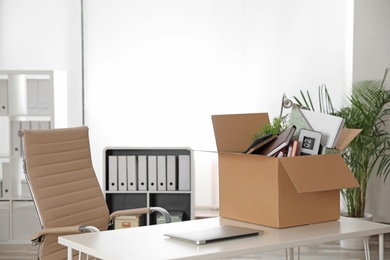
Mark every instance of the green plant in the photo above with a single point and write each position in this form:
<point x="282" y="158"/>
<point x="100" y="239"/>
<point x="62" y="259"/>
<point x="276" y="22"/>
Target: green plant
<point x="369" y="151"/>
<point x="367" y="109"/>
<point x="325" y="102"/>
<point x="278" y="125"/>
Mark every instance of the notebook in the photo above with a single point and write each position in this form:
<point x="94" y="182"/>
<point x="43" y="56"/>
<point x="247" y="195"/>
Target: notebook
<point x="283" y="140"/>
<point x="213" y="234"/>
<point x="259" y="144"/>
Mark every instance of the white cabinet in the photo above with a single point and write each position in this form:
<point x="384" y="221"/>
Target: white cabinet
<point x="29" y="99"/>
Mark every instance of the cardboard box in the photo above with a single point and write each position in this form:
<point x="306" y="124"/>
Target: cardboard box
<point x="126" y="222"/>
<point x="276" y="192"/>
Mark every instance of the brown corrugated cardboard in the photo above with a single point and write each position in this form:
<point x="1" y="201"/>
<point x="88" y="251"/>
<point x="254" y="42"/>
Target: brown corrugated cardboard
<point x="276" y="192"/>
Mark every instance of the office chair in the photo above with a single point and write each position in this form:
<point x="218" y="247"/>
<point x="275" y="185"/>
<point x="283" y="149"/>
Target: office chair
<point x="66" y="193"/>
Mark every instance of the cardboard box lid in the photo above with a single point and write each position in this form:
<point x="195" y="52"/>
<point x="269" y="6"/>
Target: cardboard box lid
<point x="235" y="132"/>
<point x="318" y="173"/>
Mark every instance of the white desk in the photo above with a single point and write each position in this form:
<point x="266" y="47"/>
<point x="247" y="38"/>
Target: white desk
<point x="149" y="242"/>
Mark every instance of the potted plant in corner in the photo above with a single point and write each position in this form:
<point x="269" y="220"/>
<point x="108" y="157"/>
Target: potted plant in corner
<point x="368" y="109"/>
<point x="369" y="152"/>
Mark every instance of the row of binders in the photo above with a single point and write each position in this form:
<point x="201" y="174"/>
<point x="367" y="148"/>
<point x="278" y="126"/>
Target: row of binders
<point x="16" y="142"/>
<point x="149" y="173"/>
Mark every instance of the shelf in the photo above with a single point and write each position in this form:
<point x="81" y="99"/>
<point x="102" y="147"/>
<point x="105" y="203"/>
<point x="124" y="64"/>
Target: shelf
<point x="155" y="163"/>
<point x="29" y="99"/>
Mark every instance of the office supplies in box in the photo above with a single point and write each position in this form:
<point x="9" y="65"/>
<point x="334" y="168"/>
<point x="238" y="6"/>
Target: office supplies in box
<point x="276" y="192"/>
<point x="127" y="222"/>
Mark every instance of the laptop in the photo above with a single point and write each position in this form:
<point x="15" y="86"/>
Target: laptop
<point x="213" y="234"/>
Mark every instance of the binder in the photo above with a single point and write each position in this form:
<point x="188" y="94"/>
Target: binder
<point x="184" y="172"/>
<point x="32" y="97"/>
<point x="6" y="180"/>
<point x="161" y="172"/>
<point x="44" y="107"/>
<point x="3" y="97"/>
<point x="16" y="142"/>
<point x="142" y="173"/>
<point x="152" y="172"/>
<point x="122" y="173"/>
<point x="131" y="173"/>
<point x="171" y="172"/>
<point x="112" y="173"/>
<point x="44" y="125"/>
<point x="25" y="125"/>
<point x="34" y="125"/>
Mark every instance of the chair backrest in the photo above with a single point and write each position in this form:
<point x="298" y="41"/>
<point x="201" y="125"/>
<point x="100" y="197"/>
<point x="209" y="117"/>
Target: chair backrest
<point x="63" y="183"/>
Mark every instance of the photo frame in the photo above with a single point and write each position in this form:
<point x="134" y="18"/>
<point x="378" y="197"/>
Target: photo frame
<point x="309" y="142"/>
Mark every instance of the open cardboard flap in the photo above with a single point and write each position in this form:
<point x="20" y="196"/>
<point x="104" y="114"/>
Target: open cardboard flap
<point x="234" y="133"/>
<point x="318" y="173"/>
<point x="345" y="137"/>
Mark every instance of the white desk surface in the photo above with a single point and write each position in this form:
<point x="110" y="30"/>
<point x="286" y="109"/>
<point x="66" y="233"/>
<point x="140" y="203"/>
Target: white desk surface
<point x="149" y="242"/>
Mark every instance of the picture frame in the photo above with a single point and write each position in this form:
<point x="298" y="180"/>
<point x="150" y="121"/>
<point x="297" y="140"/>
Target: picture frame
<point x="309" y="142"/>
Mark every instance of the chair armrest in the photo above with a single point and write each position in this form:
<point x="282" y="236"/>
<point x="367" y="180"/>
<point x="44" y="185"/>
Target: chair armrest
<point x="139" y="211"/>
<point x="38" y="237"/>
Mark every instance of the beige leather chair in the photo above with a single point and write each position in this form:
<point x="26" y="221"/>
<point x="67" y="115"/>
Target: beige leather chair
<point x="65" y="189"/>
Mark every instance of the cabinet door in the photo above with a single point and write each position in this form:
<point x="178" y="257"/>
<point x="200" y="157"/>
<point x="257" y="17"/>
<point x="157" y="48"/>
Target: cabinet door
<point x="25" y="221"/>
<point x="3" y="97"/>
<point x="6" y="182"/>
<point x="4" y="223"/>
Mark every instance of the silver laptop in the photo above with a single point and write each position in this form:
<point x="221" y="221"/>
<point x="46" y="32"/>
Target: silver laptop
<point x="207" y="235"/>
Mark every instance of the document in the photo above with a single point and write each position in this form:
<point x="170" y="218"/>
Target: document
<point x="299" y="120"/>
<point x="142" y="173"/>
<point x="330" y="126"/>
<point x="112" y="173"/>
<point x="171" y="172"/>
<point x="122" y="173"/>
<point x="131" y="173"/>
<point x="184" y="172"/>
<point x="282" y="141"/>
<point x="161" y="172"/>
<point x="152" y="172"/>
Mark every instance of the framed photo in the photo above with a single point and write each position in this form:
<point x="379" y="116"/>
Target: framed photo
<point x="309" y="142"/>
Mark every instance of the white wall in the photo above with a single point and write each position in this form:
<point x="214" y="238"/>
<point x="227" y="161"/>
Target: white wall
<point x="371" y="58"/>
<point x="44" y="35"/>
<point x="157" y="70"/>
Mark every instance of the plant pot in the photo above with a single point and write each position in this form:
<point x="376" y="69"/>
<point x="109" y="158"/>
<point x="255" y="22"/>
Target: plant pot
<point x="358" y="242"/>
